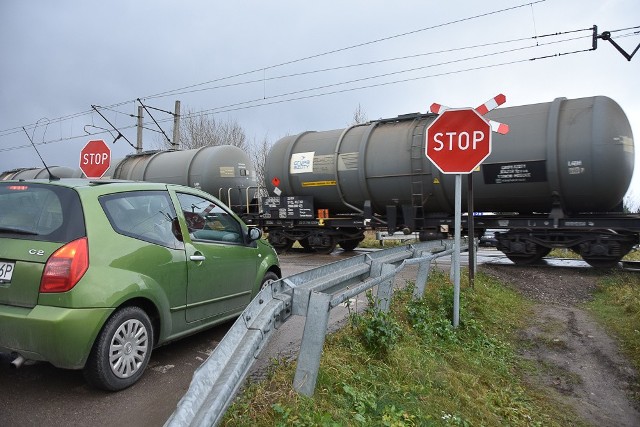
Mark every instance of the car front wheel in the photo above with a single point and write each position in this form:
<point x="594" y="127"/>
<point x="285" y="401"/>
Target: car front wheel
<point x="122" y="350"/>
<point x="269" y="277"/>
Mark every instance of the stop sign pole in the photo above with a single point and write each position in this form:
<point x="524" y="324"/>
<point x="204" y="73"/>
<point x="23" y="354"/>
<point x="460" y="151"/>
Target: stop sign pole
<point x="457" y="142"/>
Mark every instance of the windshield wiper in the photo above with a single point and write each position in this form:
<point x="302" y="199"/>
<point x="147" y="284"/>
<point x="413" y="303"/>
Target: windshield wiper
<point x="17" y="231"/>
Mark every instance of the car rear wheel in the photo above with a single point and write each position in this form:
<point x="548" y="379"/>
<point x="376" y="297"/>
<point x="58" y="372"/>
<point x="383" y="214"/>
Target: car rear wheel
<point x="122" y="350"/>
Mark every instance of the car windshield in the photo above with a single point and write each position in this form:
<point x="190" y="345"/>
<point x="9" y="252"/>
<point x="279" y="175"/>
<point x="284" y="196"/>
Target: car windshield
<point x="40" y="212"/>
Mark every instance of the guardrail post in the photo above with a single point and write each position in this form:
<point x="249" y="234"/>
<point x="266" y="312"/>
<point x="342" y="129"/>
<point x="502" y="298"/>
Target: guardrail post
<point x="385" y="289"/>
<point x="315" y="329"/>
<point x="421" y="279"/>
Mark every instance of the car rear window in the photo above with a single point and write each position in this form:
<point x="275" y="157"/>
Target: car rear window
<point x="143" y="215"/>
<point x="32" y="211"/>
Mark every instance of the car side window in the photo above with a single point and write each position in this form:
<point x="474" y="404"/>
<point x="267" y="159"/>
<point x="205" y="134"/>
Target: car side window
<point x="143" y="215"/>
<point x="207" y="221"/>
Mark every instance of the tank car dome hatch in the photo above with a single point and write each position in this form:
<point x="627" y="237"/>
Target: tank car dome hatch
<point x="224" y="171"/>
<point x="577" y="154"/>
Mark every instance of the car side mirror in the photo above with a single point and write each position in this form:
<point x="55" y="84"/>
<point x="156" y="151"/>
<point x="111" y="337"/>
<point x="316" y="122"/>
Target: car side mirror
<point x="254" y="233"/>
<point x="175" y="229"/>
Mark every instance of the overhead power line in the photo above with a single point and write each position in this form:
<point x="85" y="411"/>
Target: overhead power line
<point x="298" y="95"/>
<point x="326" y="53"/>
<point x="307" y="93"/>
<point x="354" y="46"/>
<point x="342" y="67"/>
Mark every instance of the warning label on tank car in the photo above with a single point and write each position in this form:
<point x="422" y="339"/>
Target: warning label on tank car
<point x="227" y="171"/>
<point x="324" y="164"/>
<point x="318" y="183"/>
<point x="575" y="167"/>
<point x="288" y="207"/>
<point x="515" y="172"/>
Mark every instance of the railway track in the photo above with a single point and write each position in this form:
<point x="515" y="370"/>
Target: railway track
<point x="630" y="265"/>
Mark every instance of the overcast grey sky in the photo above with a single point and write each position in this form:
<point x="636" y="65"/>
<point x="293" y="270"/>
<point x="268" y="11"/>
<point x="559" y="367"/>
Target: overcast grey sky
<point x="60" y="57"/>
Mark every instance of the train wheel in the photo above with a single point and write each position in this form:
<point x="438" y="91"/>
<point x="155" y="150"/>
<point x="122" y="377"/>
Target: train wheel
<point x="305" y="244"/>
<point x="282" y="245"/>
<point x="429" y="235"/>
<point x="327" y="249"/>
<point x="527" y="259"/>
<point x="349" y="245"/>
<point x="606" y="250"/>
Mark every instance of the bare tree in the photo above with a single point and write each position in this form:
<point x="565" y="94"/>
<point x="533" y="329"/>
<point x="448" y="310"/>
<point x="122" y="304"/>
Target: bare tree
<point x="200" y="130"/>
<point x="631" y="202"/>
<point x="258" y="151"/>
<point x="359" y="116"/>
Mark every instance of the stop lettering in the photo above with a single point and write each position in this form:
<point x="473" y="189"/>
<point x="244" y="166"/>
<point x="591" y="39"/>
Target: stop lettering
<point x="461" y="141"/>
<point x="95" y="158"/>
<point x="457" y="141"/>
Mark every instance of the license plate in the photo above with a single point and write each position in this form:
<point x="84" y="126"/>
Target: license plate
<point x="6" y="271"/>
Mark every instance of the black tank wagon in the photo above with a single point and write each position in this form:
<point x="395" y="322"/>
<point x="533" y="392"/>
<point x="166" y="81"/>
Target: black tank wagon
<point x="557" y="179"/>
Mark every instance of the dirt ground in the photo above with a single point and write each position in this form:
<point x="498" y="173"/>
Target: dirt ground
<point x="580" y="364"/>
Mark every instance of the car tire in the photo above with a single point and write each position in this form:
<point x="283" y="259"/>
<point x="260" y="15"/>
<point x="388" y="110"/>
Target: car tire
<point x="269" y="277"/>
<point x="122" y="351"/>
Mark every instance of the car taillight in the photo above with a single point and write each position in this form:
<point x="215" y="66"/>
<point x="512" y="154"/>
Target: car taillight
<point x="66" y="267"/>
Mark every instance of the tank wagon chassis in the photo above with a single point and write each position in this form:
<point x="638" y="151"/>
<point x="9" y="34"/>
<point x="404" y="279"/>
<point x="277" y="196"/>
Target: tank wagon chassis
<point x="317" y="236"/>
<point x="291" y="219"/>
<point x="547" y="184"/>
<point x="602" y="240"/>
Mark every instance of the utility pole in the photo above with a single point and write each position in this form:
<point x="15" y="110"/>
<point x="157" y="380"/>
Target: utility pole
<point x="176" y="127"/>
<point x="139" y="141"/>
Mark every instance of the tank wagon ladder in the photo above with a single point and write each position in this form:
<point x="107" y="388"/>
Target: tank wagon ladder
<point x="417" y="178"/>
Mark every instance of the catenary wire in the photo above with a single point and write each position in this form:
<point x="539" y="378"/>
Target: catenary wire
<point x="316" y="71"/>
<point x="304" y="73"/>
<point x="260" y="102"/>
<point x="88" y="112"/>
<point x="343" y="49"/>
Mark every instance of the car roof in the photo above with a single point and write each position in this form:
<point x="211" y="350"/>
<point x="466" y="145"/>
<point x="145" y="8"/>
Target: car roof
<point x="109" y="184"/>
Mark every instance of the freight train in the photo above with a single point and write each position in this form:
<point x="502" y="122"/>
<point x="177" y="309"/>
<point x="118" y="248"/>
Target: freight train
<point x="556" y="180"/>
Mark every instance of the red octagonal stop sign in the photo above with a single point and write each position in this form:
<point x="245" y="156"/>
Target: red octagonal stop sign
<point x="95" y="158"/>
<point x="458" y="140"/>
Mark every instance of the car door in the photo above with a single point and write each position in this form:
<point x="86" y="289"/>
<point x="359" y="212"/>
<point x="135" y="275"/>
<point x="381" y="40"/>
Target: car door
<point x="222" y="266"/>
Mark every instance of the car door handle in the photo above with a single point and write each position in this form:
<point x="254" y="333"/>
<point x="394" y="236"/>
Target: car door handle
<point x="197" y="258"/>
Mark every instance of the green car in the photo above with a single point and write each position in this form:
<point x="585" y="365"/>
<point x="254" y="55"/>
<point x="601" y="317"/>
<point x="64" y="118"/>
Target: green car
<point x="95" y="274"/>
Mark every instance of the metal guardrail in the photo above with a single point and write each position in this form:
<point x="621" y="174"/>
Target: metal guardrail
<point x="312" y="294"/>
<point x="630" y="265"/>
<point x="383" y="236"/>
